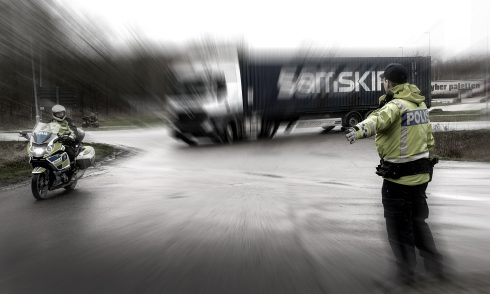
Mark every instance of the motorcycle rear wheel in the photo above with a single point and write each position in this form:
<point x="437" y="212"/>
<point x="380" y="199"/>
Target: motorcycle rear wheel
<point x="39" y="186"/>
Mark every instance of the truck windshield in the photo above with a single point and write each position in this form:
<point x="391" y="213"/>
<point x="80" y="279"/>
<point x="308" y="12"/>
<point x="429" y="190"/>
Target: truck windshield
<point x="191" y="88"/>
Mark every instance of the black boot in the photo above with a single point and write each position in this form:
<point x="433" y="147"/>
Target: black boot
<point x="435" y="267"/>
<point x="405" y="276"/>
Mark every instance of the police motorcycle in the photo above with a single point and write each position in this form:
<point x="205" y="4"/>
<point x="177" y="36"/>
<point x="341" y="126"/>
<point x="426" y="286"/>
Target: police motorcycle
<point x="51" y="164"/>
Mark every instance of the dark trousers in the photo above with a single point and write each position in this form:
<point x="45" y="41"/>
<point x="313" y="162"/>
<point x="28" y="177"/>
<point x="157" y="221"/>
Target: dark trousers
<point x="405" y="211"/>
<point x="70" y="150"/>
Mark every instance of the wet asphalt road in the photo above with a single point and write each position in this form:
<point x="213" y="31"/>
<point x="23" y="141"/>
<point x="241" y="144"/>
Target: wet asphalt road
<point x="298" y="214"/>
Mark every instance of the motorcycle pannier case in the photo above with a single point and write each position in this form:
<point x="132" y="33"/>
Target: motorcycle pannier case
<point x="86" y="158"/>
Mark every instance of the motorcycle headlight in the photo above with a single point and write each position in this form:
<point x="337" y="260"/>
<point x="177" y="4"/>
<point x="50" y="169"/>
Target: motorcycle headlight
<point x="38" y="151"/>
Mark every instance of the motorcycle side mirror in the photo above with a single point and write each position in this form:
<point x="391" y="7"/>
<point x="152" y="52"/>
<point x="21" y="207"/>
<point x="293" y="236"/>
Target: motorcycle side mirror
<point x="24" y="134"/>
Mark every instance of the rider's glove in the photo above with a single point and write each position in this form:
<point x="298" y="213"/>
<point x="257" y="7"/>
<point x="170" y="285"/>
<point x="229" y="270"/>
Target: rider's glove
<point x="66" y="139"/>
<point x="352" y="134"/>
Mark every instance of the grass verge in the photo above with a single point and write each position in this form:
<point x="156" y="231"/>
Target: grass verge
<point x="457" y="145"/>
<point x="451" y="116"/>
<point x="136" y="121"/>
<point x="14" y="161"/>
<point x="463" y="145"/>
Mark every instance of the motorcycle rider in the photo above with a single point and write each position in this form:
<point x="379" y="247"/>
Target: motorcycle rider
<point x="68" y="131"/>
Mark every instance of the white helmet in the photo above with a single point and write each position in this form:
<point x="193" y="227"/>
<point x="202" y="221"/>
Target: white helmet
<point x="59" y="112"/>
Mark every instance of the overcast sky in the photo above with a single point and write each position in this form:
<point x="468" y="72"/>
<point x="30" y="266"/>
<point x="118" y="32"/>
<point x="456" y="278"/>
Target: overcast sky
<point x="453" y="27"/>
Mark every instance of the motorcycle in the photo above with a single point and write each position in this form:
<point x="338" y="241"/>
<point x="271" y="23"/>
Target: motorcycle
<point x="51" y="164"/>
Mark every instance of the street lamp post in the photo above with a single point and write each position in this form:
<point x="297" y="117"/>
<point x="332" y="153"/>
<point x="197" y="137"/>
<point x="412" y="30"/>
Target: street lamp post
<point x="402" y="49"/>
<point x="428" y="33"/>
<point x="487" y="78"/>
<point x="36" y="105"/>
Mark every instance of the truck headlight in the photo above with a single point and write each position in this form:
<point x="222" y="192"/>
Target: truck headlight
<point x="206" y="126"/>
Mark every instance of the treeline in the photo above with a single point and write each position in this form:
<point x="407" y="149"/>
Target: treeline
<point x="70" y="60"/>
<point x="41" y="43"/>
<point x="461" y="68"/>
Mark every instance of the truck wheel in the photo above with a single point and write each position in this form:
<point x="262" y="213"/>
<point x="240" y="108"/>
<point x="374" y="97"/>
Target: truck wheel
<point x="276" y="127"/>
<point x="229" y="134"/>
<point x="188" y="141"/>
<point x="268" y="130"/>
<point x="352" y="118"/>
<point x="239" y="131"/>
<point x="265" y="129"/>
<point x="184" y="139"/>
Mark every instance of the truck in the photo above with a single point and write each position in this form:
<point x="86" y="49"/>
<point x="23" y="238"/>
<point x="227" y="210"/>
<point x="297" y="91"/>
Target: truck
<point x="249" y="96"/>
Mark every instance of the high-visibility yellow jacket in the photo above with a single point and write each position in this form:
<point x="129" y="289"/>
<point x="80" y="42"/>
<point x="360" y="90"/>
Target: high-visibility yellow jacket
<point x="403" y="130"/>
<point x="66" y="126"/>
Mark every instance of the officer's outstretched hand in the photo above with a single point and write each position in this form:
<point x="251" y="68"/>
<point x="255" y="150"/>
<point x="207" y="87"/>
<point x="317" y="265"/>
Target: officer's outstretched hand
<point x="351" y="135"/>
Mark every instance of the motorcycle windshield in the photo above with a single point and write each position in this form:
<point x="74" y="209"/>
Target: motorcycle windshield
<point x="43" y="132"/>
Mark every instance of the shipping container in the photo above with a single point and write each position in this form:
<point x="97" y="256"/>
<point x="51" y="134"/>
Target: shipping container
<point x="252" y="95"/>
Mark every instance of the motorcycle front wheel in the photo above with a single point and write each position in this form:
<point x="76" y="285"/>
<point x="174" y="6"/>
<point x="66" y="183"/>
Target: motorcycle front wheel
<point x="39" y="186"/>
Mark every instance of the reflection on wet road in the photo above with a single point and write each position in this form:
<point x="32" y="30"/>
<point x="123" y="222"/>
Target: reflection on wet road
<point x="298" y="214"/>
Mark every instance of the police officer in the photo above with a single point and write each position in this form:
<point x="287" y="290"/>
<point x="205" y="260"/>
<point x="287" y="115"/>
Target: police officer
<point x="67" y="131"/>
<point x="403" y="140"/>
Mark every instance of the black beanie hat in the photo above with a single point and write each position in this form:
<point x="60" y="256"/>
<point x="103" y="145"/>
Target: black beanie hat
<point x="395" y="73"/>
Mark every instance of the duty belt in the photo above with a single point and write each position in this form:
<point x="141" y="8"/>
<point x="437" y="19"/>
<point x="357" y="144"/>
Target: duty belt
<point x="392" y="170"/>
